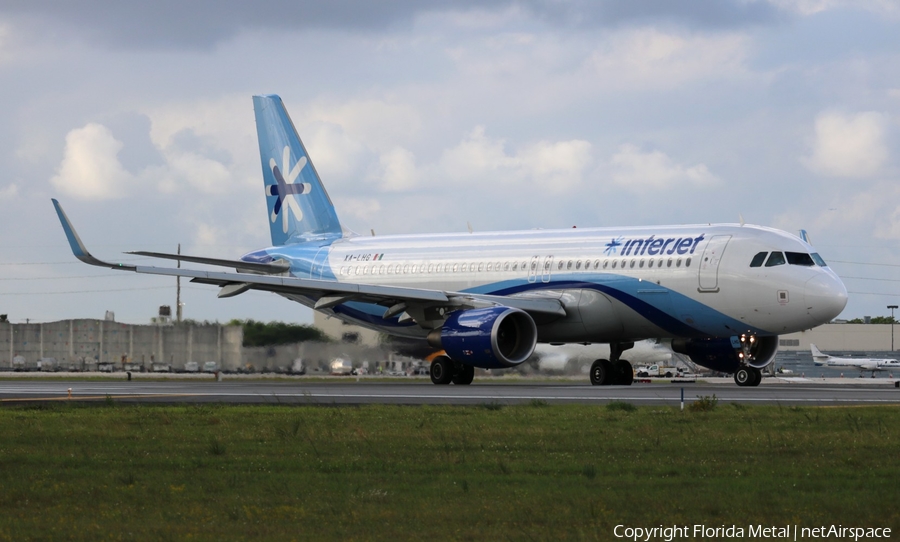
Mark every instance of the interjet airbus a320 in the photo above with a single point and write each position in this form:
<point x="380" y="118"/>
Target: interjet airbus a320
<point x="720" y="293"/>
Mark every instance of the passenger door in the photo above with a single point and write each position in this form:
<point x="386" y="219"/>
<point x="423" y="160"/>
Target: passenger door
<point x="709" y="263"/>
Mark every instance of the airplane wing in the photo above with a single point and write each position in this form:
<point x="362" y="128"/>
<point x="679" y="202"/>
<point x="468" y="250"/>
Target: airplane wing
<point x="275" y="267"/>
<point x="322" y="294"/>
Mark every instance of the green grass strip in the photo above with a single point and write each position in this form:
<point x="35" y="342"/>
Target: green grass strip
<point x="496" y="472"/>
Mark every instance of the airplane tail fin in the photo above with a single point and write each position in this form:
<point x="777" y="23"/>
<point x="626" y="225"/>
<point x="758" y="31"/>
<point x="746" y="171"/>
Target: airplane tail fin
<point x="816" y="354"/>
<point x="299" y="207"/>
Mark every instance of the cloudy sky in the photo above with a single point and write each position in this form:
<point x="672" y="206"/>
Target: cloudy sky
<point x="424" y="115"/>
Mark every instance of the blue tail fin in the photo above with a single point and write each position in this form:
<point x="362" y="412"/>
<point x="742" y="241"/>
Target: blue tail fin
<point x="299" y="207"/>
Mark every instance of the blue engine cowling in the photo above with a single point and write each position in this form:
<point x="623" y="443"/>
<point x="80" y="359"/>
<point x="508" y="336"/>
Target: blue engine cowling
<point x="490" y="338"/>
<point x="728" y="354"/>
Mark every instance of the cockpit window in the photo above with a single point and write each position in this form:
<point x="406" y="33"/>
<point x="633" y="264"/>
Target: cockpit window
<point x="776" y="258"/>
<point x="758" y="259"/>
<point x="799" y="258"/>
<point x="818" y="259"/>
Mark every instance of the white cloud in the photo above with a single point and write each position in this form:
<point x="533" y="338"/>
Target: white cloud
<point x="204" y="174"/>
<point x="636" y="170"/>
<point x="380" y="124"/>
<point x="397" y="170"/>
<point x="90" y="168"/>
<point x="653" y="59"/>
<point x="811" y="7"/>
<point x="848" y="145"/>
<point x="336" y="156"/>
<point x="477" y="156"/>
<point x="557" y="166"/>
<point x="359" y="211"/>
<point x="9" y="191"/>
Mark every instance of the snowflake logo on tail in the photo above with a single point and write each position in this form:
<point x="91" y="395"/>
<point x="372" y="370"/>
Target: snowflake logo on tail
<point x="285" y="186"/>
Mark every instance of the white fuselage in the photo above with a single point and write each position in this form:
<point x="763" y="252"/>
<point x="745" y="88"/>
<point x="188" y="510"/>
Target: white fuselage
<point x="617" y="284"/>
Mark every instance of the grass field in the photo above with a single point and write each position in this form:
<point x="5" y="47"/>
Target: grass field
<point x="531" y="472"/>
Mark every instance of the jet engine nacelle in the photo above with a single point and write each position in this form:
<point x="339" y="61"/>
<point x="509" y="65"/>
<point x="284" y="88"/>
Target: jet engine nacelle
<point x="728" y="354"/>
<point x="490" y="338"/>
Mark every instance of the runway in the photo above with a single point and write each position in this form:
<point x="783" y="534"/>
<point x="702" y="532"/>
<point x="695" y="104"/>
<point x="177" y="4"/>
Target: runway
<point x="422" y="392"/>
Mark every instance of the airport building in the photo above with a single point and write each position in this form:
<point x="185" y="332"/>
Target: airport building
<point x="855" y="338"/>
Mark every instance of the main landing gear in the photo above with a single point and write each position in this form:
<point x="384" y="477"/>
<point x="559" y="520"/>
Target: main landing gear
<point x="614" y="371"/>
<point x="444" y="371"/>
<point x="748" y="376"/>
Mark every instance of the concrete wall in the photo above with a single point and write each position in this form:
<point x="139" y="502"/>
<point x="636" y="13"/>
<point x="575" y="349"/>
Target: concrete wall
<point x="84" y="343"/>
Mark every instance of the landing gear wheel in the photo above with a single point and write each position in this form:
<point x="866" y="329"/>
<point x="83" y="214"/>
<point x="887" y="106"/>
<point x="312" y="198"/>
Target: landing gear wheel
<point x="624" y="373"/>
<point x="746" y="376"/>
<point x="601" y="373"/>
<point x="441" y="370"/>
<point x="757" y="376"/>
<point x="464" y="375"/>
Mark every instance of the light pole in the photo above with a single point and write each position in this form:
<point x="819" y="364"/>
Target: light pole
<point x="892" y="307"/>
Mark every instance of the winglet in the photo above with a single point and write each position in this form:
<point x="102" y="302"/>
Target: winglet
<point x="78" y="248"/>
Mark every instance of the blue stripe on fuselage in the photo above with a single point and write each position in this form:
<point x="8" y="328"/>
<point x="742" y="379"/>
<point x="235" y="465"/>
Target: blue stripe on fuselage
<point x="705" y="321"/>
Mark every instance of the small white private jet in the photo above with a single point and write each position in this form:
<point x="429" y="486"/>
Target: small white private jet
<point x="863" y="364"/>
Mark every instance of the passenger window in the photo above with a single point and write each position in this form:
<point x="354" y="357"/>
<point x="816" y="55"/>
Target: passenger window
<point x="669" y="263"/>
<point x="678" y="262"/>
<point x="606" y="262"/>
<point x="490" y="266"/>
<point x="650" y="264"/>
<point x="497" y="266"/>
<point x="455" y="267"/>
<point x="799" y="258"/>
<point x="687" y="262"/>
<point x="578" y="264"/>
<point x="632" y="264"/>
<point x="506" y="266"/>
<point x="569" y="265"/>
<point x="614" y="264"/>
<point x="515" y="265"/>
<point x="758" y="259"/>
<point x="481" y="267"/>
<point x="776" y="258"/>
<point x="560" y="266"/>
<point x="660" y="263"/>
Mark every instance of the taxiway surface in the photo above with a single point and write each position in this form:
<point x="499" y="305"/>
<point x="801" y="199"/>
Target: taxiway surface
<point x="298" y="392"/>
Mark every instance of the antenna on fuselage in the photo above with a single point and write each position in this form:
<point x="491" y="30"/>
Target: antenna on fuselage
<point x="741" y="218"/>
<point x="469" y="225"/>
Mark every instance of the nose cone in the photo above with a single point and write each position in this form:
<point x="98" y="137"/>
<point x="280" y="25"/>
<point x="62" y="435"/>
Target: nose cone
<point x="825" y="297"/>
